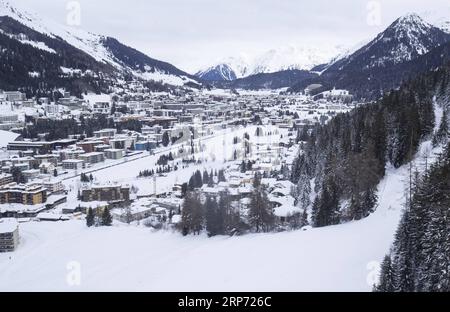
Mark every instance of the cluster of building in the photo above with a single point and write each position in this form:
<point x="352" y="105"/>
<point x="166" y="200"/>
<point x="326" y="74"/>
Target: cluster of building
<point x="31" y="170"/>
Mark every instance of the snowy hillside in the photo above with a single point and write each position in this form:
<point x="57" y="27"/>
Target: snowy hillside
<point x="83" y="40"/>
<point x="407" y="38"/>
<point x="105" y="50"/>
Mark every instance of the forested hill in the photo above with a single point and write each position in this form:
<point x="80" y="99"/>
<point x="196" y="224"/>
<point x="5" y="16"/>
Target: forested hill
<point x="347" y="157"/>
<point x="420" y="257"/>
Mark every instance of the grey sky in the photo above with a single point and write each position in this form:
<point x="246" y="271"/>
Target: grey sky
<point x="194" y="33"/>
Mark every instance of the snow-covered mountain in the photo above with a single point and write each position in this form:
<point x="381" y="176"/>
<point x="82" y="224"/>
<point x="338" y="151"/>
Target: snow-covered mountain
<point x="401" y="51"/>
<point x="64" y="49"/>
<point x="221" y="72"/>
<point x="405" y="39"/>
<point x="274" y="60"/>
<point x="228" y="69"/>
<point x="439" y="18"/>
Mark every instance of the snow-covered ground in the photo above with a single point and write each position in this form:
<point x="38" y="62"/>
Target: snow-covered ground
<point x="216" y="149"/>
<point x="129" y="258"/>
<point x="68" y="256"/>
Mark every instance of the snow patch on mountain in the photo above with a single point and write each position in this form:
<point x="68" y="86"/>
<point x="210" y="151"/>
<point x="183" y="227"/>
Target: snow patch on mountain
<point x="91" y="44"/>
<point x="411" y="28"/>
<point x="39" y="45"/>
<point x="440" y="19"/>
<point x="83" y="40"/>
<point x="405" y="39"/>
<point x="283" y="58"/>
<point x="163" y="77"/>
<point x="346" y="53"/>
<point x="22" y="38"/>
<point x="293" y="57"/>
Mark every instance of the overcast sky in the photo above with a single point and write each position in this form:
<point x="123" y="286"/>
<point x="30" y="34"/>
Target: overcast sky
<point x="195" y="33"/>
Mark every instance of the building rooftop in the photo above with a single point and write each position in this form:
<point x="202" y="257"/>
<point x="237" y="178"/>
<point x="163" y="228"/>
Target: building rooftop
<point x="8" y="225"/>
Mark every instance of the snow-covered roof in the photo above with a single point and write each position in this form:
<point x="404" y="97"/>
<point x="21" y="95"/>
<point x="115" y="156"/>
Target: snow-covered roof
<point x="51" y="216"/>
<point x="8" y="225"/>
<point x="21" y="208"/>
<point x="285" y="210"/>
<point x="93" y="204"/>
<point x="6" y="137"/>
<point x="55" y="198"/>
<point x="176" y="218"/>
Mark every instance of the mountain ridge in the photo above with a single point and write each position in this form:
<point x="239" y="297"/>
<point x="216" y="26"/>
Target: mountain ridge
<point x="107" y="57"/>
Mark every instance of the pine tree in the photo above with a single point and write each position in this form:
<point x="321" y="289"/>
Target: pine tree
<point x="90" y="217"/>
<point x="211" y="179"/>
<point x="402" y="259"/>
<point x="198" y="179"/>
<point x="261" y="216"/>
<point x="205" y="179"/>
<point x="442" y="133"/>
<point x="243" y="166"/>
<point x="106" y="217"/>
<point x="191" y="183"/>
<point x="214" y="219"/>
<point x="304" y="218"/>
<point x="165" y="139"/>
<point x="221" y="176"/>
<point x="421" y="251"/>
<point x="303" y="191"/>
<point x="326" y="210"/>
<point x="387" y="276"/>
<point x="192" y="214"/>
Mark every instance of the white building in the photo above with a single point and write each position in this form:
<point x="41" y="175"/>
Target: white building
<point x="73" y="164"/>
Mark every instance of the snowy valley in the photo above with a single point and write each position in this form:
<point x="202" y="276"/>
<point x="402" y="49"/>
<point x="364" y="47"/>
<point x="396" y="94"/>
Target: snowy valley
<point x="297" y="169"/>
